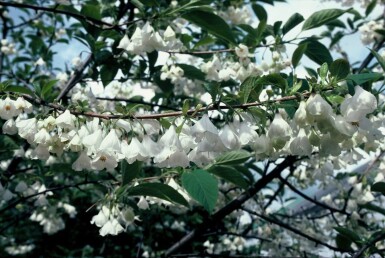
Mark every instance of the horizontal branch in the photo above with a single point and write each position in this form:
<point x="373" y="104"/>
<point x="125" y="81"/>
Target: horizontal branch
<point x="37" y="101"/>
<point x="99" y="23"/>
<point x="22" y="199"/>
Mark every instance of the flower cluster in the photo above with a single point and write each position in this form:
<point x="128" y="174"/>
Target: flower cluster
<point x="368" y="32"/>
<point x="147" y="40"/>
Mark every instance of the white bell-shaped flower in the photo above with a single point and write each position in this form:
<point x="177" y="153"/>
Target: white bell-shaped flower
<point x="357" y="107"/>
<point x="104" y="161"/>
<point x="9" y="127"/>
<point x="300" y="116"/>
<point x="66" y="120"/>
<point x="82" y="162"/>
<point x="102" y="217"/>
<point x="111" y="144"/>
<point x="279" y="132"/>
<point x="23" y="106"/>
<point x="8" y="109"/>
<point x="317" y="107"/>
<point x="300" y="145"/>
<point x="229" y="138"/>
<point x="134" y="151"/>
<point x="112" y="227"/>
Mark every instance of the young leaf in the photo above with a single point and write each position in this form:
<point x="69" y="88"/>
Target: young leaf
<point x="201" y="186"/>
<point x="323" y="71"/>
<point x="230" y="174"/>
<point x="159" y="190"/>
<point x="339" y="69"/>
<point x="298" y="53"/>
<point x="321" y="17"/>
<point x="108" y="73"/>
<point x="275" y="80"/>
<point x="129" y="171"/>
<point x="349" y="234"/>
<point x="232" y="158"/>
<point x="293" y="21"/>
<point x="212" y="23"/>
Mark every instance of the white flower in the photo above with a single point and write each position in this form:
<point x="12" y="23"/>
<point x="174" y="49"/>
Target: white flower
<point x="317" y="107"/>
<point x="112" y="227"/>
<point x="40" y="62"/>
<point x="124" y="42"/>
<point x="358" y="106"/>
<point x="229" y="138"/>
<point x="42" y="137"/>
<point x="143" y="204"/>
<point x="242" y="51"/>
<point x="8" y="109"/>
<point x="66" y="120"/>
<point x="102" y="217"/>
<point x="301" y="145"/>
<point x="169" y="34"/>
<point x="134" y="151"/>
<point x="23" y="106"/>
<point x="9" y="127"/>
<point x="104" y="161"/>
<point x="111" y="144"/>
<point x="82" y="162"/>
<point x="279" y="132"/>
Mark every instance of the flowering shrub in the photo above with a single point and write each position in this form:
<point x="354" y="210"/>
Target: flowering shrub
<point x="190" y="128"/>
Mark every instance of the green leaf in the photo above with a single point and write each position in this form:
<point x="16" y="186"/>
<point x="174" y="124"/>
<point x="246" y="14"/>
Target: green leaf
<point x="249" y="84"/>
<point x="260" y="12"/>
<point x="19" y="89"/>
<point x="230" y="174"/>
<point x="343" y="242"/>
<point x="201" y="186"/>
<point x="108" y="73"/>
<point x="340" y="69"/>
<point x="349" y="234"/>
<point x="233" y="157"/>
<point x="361" y="78"/>
<point x="192" y="72"/>
<point x="275" y="80"/>
<point x="321" y="17"/>
<point x="259" y="32"/>
<point x="370" y="7"/>
<point x="298" y="53"/>
<point x="7" y="143"/>
<point x="379" y="58"/>
<point x="293" y="21"/>
<point x="130" y="171"/>
<point x="323" y="71"/>
<point x="378" y="187"/>
<point x="212" y="23"/>
<point x="47" y="88"/>
<point x="159" y="190"/>
<point x="317" y="52"/>
<point x="372" y="207"/>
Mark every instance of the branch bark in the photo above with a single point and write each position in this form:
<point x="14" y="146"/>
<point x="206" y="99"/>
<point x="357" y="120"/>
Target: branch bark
<point x="230" y="207"/>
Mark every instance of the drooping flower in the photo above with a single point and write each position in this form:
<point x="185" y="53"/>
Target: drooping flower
<point x="279" y="132"/>
<point x="66" y="120"/>
<point x="301" y="145"/>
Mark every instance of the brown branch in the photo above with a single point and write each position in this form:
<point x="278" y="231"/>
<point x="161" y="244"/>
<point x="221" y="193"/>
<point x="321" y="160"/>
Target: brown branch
<point x="237" y="203"/>
<point x="294" y="230"/>
<point x="160" y="115"/>
<point x="95" y="22"/>
<point x="22" y="199"/>
<point x="76" y="76"/>
<point x="368" y="245"/>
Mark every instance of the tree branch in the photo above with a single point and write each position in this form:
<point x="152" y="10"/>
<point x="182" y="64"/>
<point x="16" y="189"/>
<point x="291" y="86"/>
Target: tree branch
<point x="160" y="115"/>
<point x="230" y="207"/>
<point x="95" y="22"/>
<point x="76" y="76"/>
<point x="294" y="230"/>
<point x="368" y="245"/>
